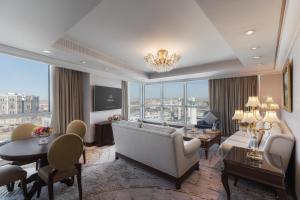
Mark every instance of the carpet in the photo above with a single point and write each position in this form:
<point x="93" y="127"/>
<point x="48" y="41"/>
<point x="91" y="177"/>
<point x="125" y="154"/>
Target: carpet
<point x="108" y="179"/>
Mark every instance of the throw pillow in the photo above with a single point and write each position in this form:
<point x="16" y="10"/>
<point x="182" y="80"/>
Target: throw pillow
<point x="210" y="118"/>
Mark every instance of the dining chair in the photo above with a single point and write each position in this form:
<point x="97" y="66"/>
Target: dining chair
<point x="11" y="173"/>
<point x="21" y="132"/>
<point x="79" y="128"/>
<point x="63" y="157"/>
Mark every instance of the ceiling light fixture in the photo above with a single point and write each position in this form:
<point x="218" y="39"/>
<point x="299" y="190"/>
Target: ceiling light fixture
<point x="47" y="51"/>
<point x="250" y="32"/>
<point x="83" y="62"/>
<point x="254" y="48"/>
<point x="162" y="61"/>
<point x="256" y="57"/>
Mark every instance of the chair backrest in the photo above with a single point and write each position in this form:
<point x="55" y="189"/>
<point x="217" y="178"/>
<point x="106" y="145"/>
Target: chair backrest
<point x="23" y="131"/>
<point x="65" y="151"/>
<point x="77" y="127"/>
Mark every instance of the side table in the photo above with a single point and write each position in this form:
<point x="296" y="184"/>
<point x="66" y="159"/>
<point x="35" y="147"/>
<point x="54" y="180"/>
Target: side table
<point x="268" y="171"/>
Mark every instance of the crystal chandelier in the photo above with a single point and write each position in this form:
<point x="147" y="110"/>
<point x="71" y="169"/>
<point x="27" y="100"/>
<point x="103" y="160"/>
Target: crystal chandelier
<point x="162" y="62"/>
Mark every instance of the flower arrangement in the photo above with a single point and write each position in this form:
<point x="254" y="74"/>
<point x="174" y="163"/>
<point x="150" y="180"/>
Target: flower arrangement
<point x="42" y="131"/>
<point x="115" y="118"/>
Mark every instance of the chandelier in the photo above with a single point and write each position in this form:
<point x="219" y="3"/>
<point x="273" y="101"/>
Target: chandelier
<point x="162" y="61"/>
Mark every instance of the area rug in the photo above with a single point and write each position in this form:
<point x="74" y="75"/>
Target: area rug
<point x="109" y="179"/>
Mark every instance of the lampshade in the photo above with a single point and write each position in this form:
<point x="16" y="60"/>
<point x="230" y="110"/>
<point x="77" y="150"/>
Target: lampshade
<point x="257" y="115"/>
<point x="249" y="117"/>
<point x="264" y="106"/>
<point x="274" y="106"/>
<point x="253" y="102"/>
<point x="269" y="100"/>
<point x="271" y="117"/>
<point x="238" y="115"/>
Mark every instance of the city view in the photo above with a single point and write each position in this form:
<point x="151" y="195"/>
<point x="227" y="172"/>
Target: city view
<point x="24" y="94"/>
<point x="169" y="106"/>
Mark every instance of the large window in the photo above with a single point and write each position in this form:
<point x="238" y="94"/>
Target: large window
<point x="134" y="101"/>
<point x="24" y="93"/>
<point x="153" y="102"/>
<point x="197" y="100"/>
<point x="182" y="102"/>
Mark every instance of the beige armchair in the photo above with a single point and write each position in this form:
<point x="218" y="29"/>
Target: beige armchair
<point x="79" y="128"/>
<point x="11" y="173"/>
<point x="63" y="157"/>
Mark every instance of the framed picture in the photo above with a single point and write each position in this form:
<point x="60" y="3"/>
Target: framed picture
<point x="287" y="75"/>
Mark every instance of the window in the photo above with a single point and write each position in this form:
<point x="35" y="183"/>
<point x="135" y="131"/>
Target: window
<point x="153" y="106"/>
<point x="182" y="102"/>
<point x="24" y="93"/>
<point x="197" y="100"/>
<point x="134" y="101"/>
<point x="173" y="102"/>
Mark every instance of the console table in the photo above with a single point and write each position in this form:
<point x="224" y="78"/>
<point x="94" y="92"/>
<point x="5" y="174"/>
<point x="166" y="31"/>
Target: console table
<point x="268" y="171"/>
<point x="103" y="134"/>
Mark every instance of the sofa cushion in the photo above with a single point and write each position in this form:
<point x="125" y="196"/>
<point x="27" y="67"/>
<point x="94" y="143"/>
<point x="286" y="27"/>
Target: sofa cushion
<point x="210" y="118"/>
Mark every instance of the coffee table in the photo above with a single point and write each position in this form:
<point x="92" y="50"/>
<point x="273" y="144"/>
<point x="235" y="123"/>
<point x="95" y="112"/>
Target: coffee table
<point x="207" y="137"/>
<point x="269" y="171"/>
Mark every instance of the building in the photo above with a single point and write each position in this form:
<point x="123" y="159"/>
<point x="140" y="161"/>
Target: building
<point x="13" y="103"/>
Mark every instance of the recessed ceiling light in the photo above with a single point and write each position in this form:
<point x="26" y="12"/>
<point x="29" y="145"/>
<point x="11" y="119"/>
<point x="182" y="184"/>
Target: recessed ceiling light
<point x="47" y="51"/>
<point x="256" y="57"/>
<point x="254" y="48"/>
<point x="83" y="62"/>
<point x="250" y="32"/>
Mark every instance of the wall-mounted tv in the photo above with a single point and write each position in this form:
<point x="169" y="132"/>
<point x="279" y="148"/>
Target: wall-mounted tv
<point x="107" y="98"/>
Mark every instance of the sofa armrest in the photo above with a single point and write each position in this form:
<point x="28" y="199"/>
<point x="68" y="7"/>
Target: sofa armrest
<point x="191" y="146"/>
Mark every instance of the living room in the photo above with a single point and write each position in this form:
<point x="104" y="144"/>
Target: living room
<point x="137" y="99"/>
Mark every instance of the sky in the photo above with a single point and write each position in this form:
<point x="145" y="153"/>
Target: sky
<point x="196" y="88"/>
<point x="19" y="75"/>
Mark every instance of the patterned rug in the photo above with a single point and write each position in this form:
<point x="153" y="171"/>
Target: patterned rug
<point x="108" y="179"/>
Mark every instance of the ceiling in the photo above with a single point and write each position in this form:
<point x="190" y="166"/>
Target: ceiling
<point x="113" y="36"/>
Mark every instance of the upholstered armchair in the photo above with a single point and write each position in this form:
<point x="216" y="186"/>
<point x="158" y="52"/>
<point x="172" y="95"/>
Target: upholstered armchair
<point x="203" y="124"/>
<point x="11" y="173"/>
<point x="63" y="157"/>
<point x="79" y="128"/>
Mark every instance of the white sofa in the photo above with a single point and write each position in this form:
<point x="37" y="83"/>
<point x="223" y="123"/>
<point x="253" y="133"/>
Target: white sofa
<point x="159" y="148"/>
<point x="279" y="140"/>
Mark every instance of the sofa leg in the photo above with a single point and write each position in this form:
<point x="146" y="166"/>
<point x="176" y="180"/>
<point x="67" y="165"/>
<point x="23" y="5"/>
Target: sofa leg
<point x="116" y="156"/>
<point x="178" y="185"/>
<point x="197" y="167"/>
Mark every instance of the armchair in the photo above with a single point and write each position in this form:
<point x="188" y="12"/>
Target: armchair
<point x="202" y="124"/>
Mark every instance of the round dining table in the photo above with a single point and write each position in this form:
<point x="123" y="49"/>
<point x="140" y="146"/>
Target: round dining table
<point x="28" y="149"/>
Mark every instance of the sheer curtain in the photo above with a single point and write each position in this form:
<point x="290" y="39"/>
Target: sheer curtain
<point x="125" y="100"/>
<point x="228" y="94"/>
<point x="67" y="97"/>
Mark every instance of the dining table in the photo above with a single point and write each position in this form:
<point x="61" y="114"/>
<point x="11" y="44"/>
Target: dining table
<point x="29" y="149"/>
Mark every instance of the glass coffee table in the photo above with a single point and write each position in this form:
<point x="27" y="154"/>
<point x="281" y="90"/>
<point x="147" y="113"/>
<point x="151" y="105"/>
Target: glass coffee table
<point x="208" y="137"/>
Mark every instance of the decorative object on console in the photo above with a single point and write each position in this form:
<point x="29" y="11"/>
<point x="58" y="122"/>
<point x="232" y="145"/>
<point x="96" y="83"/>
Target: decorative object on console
<point x="252" y="118"/>
<point x="287" y="75"/>
<point x="162" y="61"/>
<point x="115" y="117"/>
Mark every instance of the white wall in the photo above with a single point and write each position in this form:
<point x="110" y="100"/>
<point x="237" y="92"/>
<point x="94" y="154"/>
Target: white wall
<point x="293" y="119"/>
<point x="95" y="117"/>
<point x="270" y="85"/>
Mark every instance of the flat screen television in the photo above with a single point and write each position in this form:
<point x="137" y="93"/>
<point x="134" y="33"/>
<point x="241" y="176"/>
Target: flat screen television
<point x="107" y="98"/>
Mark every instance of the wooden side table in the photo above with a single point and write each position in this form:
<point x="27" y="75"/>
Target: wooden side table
<point x="103" y="134"/>
<point x="208" y="138"/>
<point x="269" y="171"/>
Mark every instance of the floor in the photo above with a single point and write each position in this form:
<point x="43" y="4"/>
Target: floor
<point x="106" y="178"/>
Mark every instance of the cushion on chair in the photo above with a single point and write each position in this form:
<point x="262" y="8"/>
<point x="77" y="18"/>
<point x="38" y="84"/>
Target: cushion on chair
<point x="11" y="173"/>
<point x="59" y="175"/>
<point x="210" y="118"/>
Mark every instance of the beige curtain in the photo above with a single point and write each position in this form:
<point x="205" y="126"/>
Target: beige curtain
<point x="67" y="98"/>
<point x="125" y="100"/>
<point x="227" y="95"/>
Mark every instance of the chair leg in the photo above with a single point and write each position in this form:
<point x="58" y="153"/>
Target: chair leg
<point x="10" y="187"/>
<point x="79" y="182"/>
<point x="50" y="190"/>
<point x="24" y="188"/>
<point x="39" y="185"/>
<point x="84" y="157"/>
